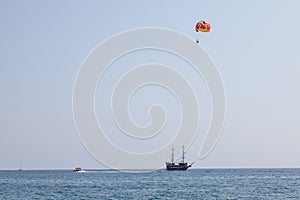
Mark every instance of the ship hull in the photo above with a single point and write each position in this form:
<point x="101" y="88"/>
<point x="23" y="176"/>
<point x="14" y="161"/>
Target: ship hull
<point x="179" y="166"/>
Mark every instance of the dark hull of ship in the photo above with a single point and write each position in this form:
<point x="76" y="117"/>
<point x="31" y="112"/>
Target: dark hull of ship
<point x="177" y="166"/>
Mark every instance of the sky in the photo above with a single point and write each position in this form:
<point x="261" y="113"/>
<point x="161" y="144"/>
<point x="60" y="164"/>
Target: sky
<point x="255" y="45"/>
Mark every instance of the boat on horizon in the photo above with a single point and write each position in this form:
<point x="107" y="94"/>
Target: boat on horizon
<point x="20" y="168"/>
<point x="78" y="170"/>
<point x="182" y="165"/>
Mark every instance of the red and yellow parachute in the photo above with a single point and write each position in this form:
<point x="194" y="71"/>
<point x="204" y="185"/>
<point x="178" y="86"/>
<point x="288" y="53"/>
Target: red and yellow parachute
<point x="202" y="26"/>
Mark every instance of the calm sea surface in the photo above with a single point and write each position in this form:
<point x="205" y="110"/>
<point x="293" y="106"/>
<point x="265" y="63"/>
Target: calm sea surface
<point x="162" y="184"/>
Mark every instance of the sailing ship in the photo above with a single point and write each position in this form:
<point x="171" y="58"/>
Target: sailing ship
<point x="172" y="165"/>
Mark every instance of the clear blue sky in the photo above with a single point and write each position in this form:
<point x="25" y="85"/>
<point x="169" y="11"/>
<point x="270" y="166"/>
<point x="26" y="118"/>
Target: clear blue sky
<point x="255" y="45"/>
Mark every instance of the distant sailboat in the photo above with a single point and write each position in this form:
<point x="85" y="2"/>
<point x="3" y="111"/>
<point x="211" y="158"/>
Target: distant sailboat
<point x="20" y="168"/>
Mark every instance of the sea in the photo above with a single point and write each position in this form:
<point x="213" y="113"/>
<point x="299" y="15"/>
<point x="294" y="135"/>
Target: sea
<point x="160" y="184"/>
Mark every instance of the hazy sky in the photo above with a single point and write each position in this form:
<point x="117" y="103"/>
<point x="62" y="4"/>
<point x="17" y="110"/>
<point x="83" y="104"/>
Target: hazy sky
<point x="255" y="45"/>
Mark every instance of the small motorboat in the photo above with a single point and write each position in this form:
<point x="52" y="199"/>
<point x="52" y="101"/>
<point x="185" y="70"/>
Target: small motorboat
<point x="78" y="169"/>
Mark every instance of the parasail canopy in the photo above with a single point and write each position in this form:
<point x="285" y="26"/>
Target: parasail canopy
<point x="202" y="26"/>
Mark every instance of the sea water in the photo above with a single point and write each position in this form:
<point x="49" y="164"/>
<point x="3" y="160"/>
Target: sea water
<point x="160" y="184"/>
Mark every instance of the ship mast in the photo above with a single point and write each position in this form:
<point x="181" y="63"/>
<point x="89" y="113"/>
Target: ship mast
<point x="172" y="158"/>
<point x="182" y="153"/>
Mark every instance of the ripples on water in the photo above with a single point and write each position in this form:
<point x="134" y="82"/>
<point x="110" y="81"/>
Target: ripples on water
<point x="161" y="184"/>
